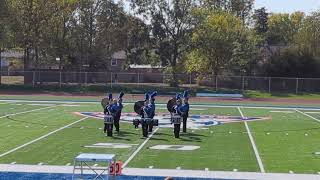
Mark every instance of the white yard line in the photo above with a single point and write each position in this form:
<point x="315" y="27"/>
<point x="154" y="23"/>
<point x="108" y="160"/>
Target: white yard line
<point x="255" y="149"/>
<point x="42" y="137"/>
<point x="139" y="148"/>
<point x="24" y="112"/>
<point x="308" y="115"/>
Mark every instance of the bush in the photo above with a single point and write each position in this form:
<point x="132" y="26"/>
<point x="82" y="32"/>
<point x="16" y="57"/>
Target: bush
<point x="293" y="63"/>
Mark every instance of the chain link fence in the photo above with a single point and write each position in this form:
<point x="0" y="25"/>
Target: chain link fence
<point x="238" y="83"/>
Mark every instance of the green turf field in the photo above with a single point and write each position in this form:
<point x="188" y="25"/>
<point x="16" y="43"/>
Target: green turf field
<point x="49" y="133"/>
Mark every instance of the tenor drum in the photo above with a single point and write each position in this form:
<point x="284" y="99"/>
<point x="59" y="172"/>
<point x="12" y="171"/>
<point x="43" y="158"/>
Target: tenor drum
<point x="138" y="107"/>
<point x="108" y="119"/>
<point x="171" y="103"/>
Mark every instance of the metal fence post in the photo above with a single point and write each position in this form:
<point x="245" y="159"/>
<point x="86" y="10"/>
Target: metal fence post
<point x="111" y="80"/>
<point x="243" y="83"/>
<point x="216" y="78"/>
<point x="86" y="78"/>
<point x="269" y="84"/>
<point x="138" y="78"/>
<point x="190" y="79"/>
<point x="33" y="78"/>
<point x="297" y="85"/>
<point x="163" y="78"/>
<point x="60" y="79"/>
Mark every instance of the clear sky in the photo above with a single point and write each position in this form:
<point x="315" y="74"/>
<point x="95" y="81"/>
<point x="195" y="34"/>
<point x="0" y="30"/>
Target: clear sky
<point x="285" y="6"/>
<point x="289" y="6"/>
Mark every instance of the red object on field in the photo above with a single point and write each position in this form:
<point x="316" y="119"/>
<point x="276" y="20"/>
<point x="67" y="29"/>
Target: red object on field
<point x="116" y="168"/>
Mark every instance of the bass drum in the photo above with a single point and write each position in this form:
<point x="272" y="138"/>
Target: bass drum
<point x="171" y="103"/>
<point x="138" y="107"/>
<point x="104" y="102"/>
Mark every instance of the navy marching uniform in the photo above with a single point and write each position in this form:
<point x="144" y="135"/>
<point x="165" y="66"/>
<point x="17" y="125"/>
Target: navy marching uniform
<point x="152" y="107"/>
<point x="183" y="110"/>
<point x="118" y="112"/>
<point x="114" y="109"/>
<point x="148" y="113"/>
<point x="107" y="112"/>
<point x="176" y="126"/>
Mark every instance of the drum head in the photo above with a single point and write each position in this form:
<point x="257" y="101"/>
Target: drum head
<point x="170" y="104"/>
<point x="104" y="102"/>
<point x="137" y="107"/>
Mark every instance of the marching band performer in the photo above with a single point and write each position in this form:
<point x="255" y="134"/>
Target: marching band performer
<point x="183" y="110"/>
<point x="152" y="106"/>
<point x="176" y="129"/>
<point x="148" y="113"/>
<point x="144" y="115"/>
<point x="118" y="113"/>
<point x="106" y="112"/>
<point x="114" y="109"/>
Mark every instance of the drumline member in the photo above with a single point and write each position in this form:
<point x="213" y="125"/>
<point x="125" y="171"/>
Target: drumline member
<point x="118" y="113"/>
<point x="114" y="109"/>
<point x="148" y="113"/>
<point x="144" y="115"/>
<point x="183" y="110"/>
<point x="176" y="129"/>
<point x="152" y="107"/>
<point x="138" y="108"/>
<point x="107" y="112"/>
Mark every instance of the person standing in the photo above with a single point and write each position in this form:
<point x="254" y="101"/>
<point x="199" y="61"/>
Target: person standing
<point x="183" y="110"/>
<point x="152" y="106"/>
<point x="118" y="112"/>
<point x="107" y="113"/>
<point x="176" y="115"/>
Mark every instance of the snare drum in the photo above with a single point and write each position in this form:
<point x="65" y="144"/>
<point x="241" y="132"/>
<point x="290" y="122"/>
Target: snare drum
<point x="155" y="122"/>
<point x="176" y="119"/>
<point x="136" y="122"/>
<point x="108" y="119"/>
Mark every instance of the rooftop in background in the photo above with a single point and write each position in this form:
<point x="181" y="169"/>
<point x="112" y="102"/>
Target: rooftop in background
<point x="144" y="66"/>
<point x="12" y="54"/>
<point x="121" y="55"/>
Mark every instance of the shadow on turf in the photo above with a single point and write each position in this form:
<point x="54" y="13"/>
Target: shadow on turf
<point x="123" y="135"/>
<point x="189" y="137"/>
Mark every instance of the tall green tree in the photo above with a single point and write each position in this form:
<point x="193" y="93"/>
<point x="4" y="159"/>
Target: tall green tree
<point x="4" y="13"/>
<point x="245" y="53"/>
<point x="139" y="47"/>
<point x="171" y="24"/>
<point x="260" y="18"/>
<point x="215" y="41"/>
<point x="240" y="8"/>
<point x="308" y="38"/>
<point x="84" y="33"/>
<point x="59" y="30"/>
<point x="30" y="23"/>
<point x="113" y="24"/>
<point x="283" y="27"/>
<point x="293" y="62"/>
